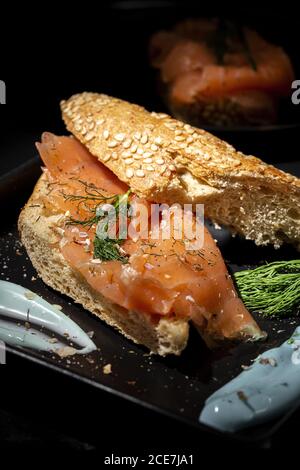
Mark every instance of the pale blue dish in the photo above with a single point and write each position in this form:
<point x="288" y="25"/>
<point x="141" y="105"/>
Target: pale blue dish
<point x="264" y="391"/>
<point x="18" y="304"/>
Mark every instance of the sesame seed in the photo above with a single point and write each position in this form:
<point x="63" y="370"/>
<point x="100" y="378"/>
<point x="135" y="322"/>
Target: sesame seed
<point x="100" y="121"/>
<point x="190" y="139"/>
<point x="114" y="156"/>
<point x="128" y="161"/>
<point x="77" y="127"/>
<point x="83" y="131"/>
<point x="147" y="154"/>
<point x="154" y="147"/>
<point x="162" y="169"/>
<point x="144" y="139"/>
<point x="223" y="166"/>
<point x="150" y="168"/>
<point x="89" y="136"/>
<point x="158" y="140"/>
<point x="179" y="138"/>
<point x="160" y="161"/>
<point x="112" y="144"/>
<point x="136" y="156"/>
<point x="91" y="126"/>
<point x="178" y="132"/>
<point x="183" y="145"/>
<point x="172" y="167"/>
<point x="126" y="154"/>
<point x="127" y="143"/>
<point x="107" y="157"/>
<point x="140" y="151"/>
<point x="170" y="126"/>
<point x="148" y="160"/>
<point x="133" y="148"/>
<point x="105" y="134"/>
<point x="120" y="137"/>
<point x="129" y="173"/>
<point x="160" y="115"/>
<point x="140" y="173"/>
<point x="137" y="135"/>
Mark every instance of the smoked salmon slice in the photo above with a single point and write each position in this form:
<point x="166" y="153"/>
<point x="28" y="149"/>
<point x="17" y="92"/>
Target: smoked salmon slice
<point x="199" y="62"/>
<point x="188" y="50"/>
<point x="159" y="277"/>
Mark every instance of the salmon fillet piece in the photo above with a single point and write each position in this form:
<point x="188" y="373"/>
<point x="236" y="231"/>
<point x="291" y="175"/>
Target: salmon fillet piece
<point x="160" y="277"/>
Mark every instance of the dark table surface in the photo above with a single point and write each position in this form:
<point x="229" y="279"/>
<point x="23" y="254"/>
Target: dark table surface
<point x="31" y="418"/>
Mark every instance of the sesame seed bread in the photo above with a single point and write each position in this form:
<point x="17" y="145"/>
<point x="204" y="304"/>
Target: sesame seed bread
<point x="165" y="160"/>
<point x="38" y="235"/>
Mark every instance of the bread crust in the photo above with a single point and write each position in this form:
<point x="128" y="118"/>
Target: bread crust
<point x="37" y="231"/>
<point x="165" y="160"/>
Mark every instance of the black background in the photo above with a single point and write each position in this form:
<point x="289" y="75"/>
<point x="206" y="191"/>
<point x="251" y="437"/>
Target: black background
<point x="48" y="52"/>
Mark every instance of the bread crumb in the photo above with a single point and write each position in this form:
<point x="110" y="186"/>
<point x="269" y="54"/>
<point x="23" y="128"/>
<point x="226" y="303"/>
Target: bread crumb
<point x="66" y="351"/>
<point x="107" y="369"/>
<point x="131" y="382"/>
<point x="30" y="295"/>
<point x="52" y="340"/>
<point x="59" y="307"/>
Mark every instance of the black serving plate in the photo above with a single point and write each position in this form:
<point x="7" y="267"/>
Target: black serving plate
<point x="174" y="386"/>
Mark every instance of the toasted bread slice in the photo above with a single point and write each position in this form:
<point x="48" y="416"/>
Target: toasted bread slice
<point x="40" y="231"/>
<point x="38" y="235"/>
<point x="164" y="160"/>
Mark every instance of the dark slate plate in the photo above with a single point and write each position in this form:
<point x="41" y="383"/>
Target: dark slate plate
<point x="177" y="387"/>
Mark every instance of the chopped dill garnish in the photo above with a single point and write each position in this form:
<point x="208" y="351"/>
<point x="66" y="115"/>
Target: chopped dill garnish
<point x="106" y="248"/>
<point x="272" y="290"/>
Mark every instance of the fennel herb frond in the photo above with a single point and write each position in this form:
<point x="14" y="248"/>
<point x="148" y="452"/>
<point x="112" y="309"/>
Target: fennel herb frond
<point x="272" y="290"/>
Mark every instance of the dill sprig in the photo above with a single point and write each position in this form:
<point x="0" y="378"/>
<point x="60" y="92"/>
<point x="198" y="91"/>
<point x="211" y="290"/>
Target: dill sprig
<point x="219" y="41"/>
<point x="84" y="222"/>
<point x="272" y="289"/>
<point x="92" y="194"/>
<point x="245" y="44"/>
<point x="105" y="247"/>
<point x="108" y="249"/>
